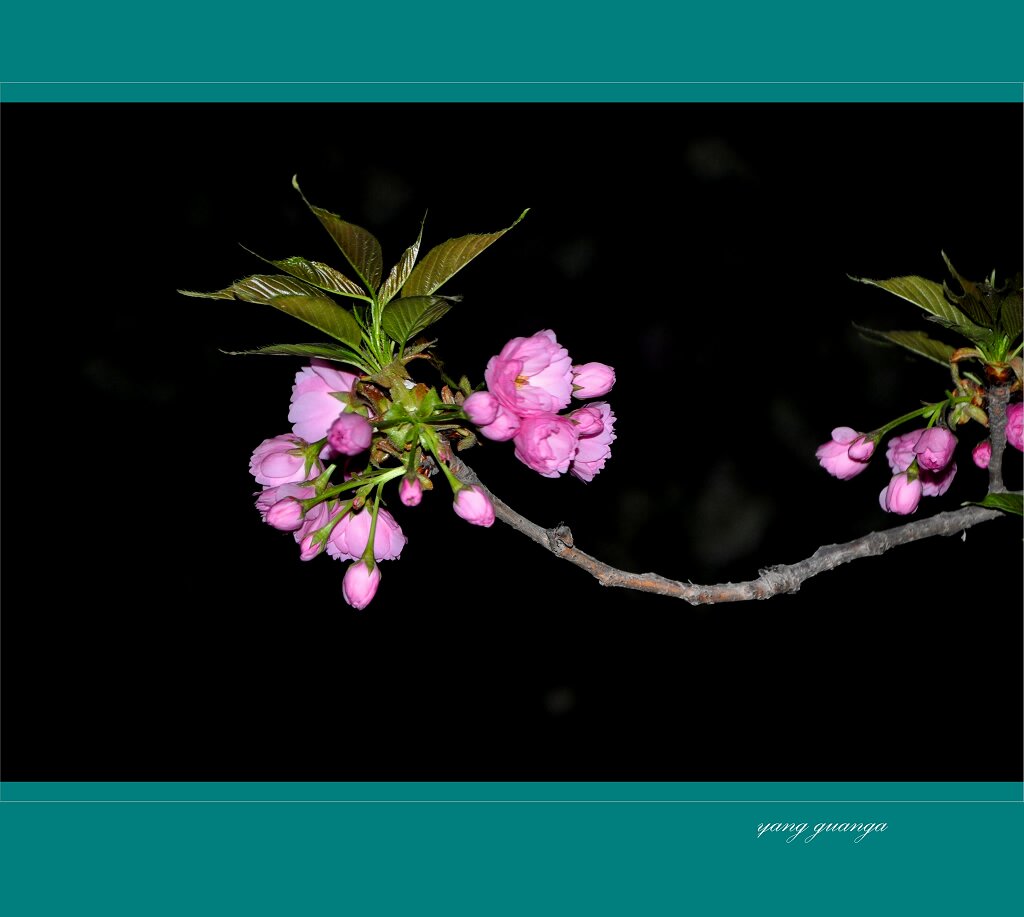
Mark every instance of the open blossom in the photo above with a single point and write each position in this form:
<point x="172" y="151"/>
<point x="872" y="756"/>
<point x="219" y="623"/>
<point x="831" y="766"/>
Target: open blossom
<point x="900" y="450"/>
<point x="273" y="461"/>
<point x="834" y="456"/>
<point x="592" y="380"/>
<point x="547" y="443"/>
<point x="594" y="448"/>
<point x="531" y="375"/>
<point x="313" y="407"/>
<point x="473" y="505"/>
<point x="350" y="434"/>
<point x="936" y="483"/>
<point x="1015" y="425"/>
<point x="902" y="496"/>
<point x="935" y="448"/>
<point x="350" y="536"/>
<point x="360" y="585"/>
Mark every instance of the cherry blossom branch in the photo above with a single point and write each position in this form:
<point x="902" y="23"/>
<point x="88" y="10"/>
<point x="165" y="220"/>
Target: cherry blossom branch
<point x="770" y="582"/>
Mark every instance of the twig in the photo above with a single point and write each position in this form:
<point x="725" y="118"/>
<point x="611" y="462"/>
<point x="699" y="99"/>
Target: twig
<point x="770" y="582"/>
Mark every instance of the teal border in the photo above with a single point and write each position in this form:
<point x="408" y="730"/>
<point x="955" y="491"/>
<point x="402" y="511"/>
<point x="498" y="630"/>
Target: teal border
<point x="535" y="92"/>
<point x="518" y="856"/>
<point x="442" y="791"/>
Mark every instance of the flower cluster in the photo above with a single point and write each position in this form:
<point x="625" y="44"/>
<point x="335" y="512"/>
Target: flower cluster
<point x="335" y="418"/>
<point x="529" y="382"/>
<point x="921" y="461"/>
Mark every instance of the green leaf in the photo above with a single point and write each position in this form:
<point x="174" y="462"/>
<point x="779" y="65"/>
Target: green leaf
<point x="915" y="341"/>
<point x="360" y="247"/>
<point x="323" y="314"/>
<point x="404" y="318"/>
<point x="328" y="351"/>
<point x="930" y="296"/>
<point x="447" y="259"/>
<point x="321" y="275"/>
<point x="1011" y="315"/>
<point x="400" y="272"/>
<point x="297" y="298"/>
<point x="1007" y="502"/>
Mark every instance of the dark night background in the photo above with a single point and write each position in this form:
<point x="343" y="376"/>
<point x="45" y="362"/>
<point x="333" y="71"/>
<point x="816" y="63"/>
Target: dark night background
<point x="154" y="629"/>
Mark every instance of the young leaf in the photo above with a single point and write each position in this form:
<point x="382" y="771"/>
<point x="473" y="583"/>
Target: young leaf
<point x="972" y="302"/>
<point x="445" y="260"/>
<point x="930" y="296"/>
<point x="400" y="272"/>
<point x="915" y="341"/>
<point x="1007" y="502"/>
<point x="327" y="351"/>
<point x="1011" y="315"/>
<point x="360" y="247"/>
<point x="406" y="317"/>
<point x="259" y="288"/>
<point x="321" y="275"/>
<point x="323" y="314"/>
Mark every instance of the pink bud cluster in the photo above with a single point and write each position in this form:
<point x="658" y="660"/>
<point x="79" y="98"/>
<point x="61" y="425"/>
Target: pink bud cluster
<point x="324" y="427"/>
<point x="921" y="462"/>
<point x="529" y="382"/>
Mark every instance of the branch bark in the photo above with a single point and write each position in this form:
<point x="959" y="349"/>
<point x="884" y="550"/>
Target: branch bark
<point x="770" y="582"/>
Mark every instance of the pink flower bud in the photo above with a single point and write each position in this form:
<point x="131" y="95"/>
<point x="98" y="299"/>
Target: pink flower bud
<point x="531" y="375"/>
<point x="410" y="491"/>
<point x="901" y="496"/>
<point x="285" y="515"/>
<point x="588" y="421"/>
<point x="274" y="463"/>
<point x="360" y="585"/>
<point x="505" y="426"/>
<point x="350" y="434"/>
<point x="481" y="408"/>
<point x="473" y="505"/>
<point x="982" y="453"/>
<point x="547" y="443"/>
<point x="834" y="456"/>
<point x="862" y="449"/>
<point x="318" y="517"/>
<point x="594" y="449"/>
<point x="592" y="380"/>
<point x="935" y="448"/>
<point x="1015" y="425"/>
<point x="313" y="406"/>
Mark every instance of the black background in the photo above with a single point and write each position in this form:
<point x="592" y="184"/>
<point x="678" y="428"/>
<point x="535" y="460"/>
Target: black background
<point x="154" y="629"/>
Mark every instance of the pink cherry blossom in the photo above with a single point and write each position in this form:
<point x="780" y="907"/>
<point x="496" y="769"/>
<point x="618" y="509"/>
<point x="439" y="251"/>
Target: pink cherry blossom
<point x="350" y="434"/>
<point x="594" y="449"/>
<point x="935" y="448"/>
<point x="834" y="456"/>
<point x="410" y="491"/>
<point x="350" y="536"/>
<point x="982" y="453"/>
<point x="862" y="449"/>
<point x="318" y="517"/>
<point x="531" y="375"/>
<point x="273" y="461"/>
<point x="900" y="450"/>
<point x="360" y="585"/>
<point x="504" y="427"/>
<point x="547" y="443"/>
<point x="473" y="505"/>
<point x="285" y="515"/>
<point x="902" y="496"/>
<point x="269" y="496"/>
<point x="1015" y="425"/>
<point x="936" y="483"/>
<point x="481" y="408"/>
<point x="592" y="380"/>
<point x="313" y="407"/>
